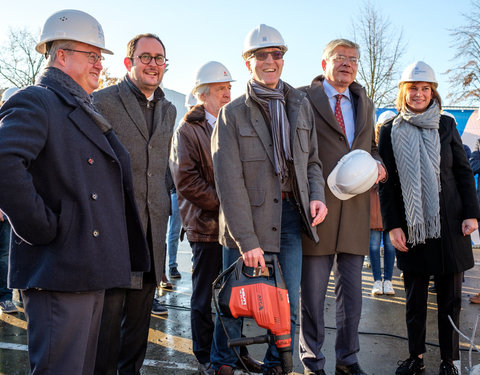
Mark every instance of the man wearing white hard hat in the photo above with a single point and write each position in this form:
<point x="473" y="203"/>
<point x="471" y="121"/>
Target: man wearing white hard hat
<point x="143" y="118"/>
<point x="192" y="171"/>
<point x="69" y="199"/>
<point x="268" y="177"/>
<point x="344" y="119"/>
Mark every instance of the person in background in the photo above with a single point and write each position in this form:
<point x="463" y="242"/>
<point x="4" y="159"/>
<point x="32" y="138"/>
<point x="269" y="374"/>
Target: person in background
<point x="138" y="111"/>
<point x="268" y="179"/>
<point x="69" y="198"/>
<point x="377" y="234"/>
<point x="475" y="164"/>
<point x="174" y="227"/>
<point x="6" y="304"/>
<point x="429" y="207"/>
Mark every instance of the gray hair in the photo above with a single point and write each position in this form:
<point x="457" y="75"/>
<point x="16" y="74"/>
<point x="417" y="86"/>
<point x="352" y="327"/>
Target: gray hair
<point x="328" y="51"/>
<point x="55" y="46"/>
<point x="202" y="89"/>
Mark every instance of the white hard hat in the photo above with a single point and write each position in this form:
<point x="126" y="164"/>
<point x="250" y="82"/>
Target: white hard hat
<point x="8" y="93"/>
<point x="70" y="24"/>
<point x="385" y="116"/>
<point x="262" y="36"/>
<point x="355" y="173"/>
<point x="211" y="72"/>
<point x="418" y="72"/>
<point x="190" y="100"/>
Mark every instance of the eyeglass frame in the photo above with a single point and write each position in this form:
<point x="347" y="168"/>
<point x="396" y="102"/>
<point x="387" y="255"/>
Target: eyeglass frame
<point x="93" y="58"/>
<point x="343" y="59"/>
<point x="150" y="58"/>
<point x="253" y="54"/>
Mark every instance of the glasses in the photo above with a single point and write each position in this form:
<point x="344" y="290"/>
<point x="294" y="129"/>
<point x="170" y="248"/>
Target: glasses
<point x="263" y="55"/>
<point x="344" y="59"/>
<point x="92" y="56"/>
<point x="146" y="59"/>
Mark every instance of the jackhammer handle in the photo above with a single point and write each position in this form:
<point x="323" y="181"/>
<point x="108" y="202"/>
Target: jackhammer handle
<point x="286" y="361"/>
<point x="243" y="341"/>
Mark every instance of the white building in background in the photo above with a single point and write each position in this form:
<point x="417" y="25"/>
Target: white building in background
<point x="178" y="100"/>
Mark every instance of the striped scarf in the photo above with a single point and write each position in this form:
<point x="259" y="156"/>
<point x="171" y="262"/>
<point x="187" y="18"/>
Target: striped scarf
<point x="273" y="100"/>
<point x="416" y="148"/>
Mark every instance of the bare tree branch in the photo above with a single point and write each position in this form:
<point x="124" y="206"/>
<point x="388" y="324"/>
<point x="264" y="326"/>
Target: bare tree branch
<point x="381" y="47"/>
<point x="464" y="77"/>
<point x="20" y="64"/>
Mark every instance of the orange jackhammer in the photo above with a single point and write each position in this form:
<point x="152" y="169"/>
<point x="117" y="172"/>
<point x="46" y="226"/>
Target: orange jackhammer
<point x="263" y="297"/>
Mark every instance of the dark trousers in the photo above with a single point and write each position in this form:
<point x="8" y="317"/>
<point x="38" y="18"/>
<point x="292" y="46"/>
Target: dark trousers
<point x="449" y="300"/>
<point x="207" y="264"/>
<point x="122" y="342"/>
<point x="62" y="331"/>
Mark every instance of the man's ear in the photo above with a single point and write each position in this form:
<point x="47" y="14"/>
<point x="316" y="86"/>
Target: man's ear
<point x="127" y="61"/>
<point x="324" y="64"/>
<point x="249" y="66"/>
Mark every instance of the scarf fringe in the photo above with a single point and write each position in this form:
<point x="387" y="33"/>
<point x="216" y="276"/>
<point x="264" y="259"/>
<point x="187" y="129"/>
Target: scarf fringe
<point x="418" y="233"/>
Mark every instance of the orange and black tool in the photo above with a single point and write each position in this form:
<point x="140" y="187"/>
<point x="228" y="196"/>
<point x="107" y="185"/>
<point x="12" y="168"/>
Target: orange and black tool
<point x="263" y="297"/>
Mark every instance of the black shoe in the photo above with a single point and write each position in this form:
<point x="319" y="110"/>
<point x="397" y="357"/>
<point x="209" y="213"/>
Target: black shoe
<point x="316" y="372"/>
<point x="276" y="370"/>
<point x="432" y="288"/>
<point x="225" y="370"/>
<point x="354" y="369"/>
<point x="174" y="274"/>
<point x="158" y="308"/>
<point x="411" y="366"/>
<point x="251" y="364"/>
<point x="448" y="368"/>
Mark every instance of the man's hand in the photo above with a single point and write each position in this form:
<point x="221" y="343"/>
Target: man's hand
<point x="399" y="241"/>
<point x="253" y="258"/>
<point x="469" y="226"/>
<point x="382" y="173"/>
<point x="2" y="216"/>
<point x="318" y="210"/>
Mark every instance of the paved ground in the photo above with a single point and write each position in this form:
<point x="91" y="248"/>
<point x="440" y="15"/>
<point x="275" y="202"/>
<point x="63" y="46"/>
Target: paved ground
<point x="382" y="338"/>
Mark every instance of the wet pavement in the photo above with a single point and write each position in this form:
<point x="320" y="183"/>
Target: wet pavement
<point x="382" y="339"/>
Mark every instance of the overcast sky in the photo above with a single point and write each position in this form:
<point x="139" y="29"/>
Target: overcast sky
<point x="195" y="32"/>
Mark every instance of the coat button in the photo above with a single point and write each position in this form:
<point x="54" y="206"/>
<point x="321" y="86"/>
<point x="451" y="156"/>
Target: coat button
<point x="274" y="229"/>
<point x="275" y="200"/>
<point x="149" y="174"/>
<point x="96" y="233"/>
<point x="94" y="196"/>
<point x="150" y="147"/>
<point x="90" y="161"/>
<point x="342" y="138"/>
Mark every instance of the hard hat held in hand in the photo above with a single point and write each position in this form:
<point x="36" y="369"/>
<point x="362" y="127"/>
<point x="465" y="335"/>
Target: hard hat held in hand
<point x="70" y="24"/>
<point x="211" y="72"/>
<point x="262" y="36"/>
<point x="355" y="173"/>
<point x="418" y="72"/>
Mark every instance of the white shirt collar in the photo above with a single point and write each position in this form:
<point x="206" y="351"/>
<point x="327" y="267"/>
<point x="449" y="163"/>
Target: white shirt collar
<point x="211" y="119"/>
<point x="331" y="91"/>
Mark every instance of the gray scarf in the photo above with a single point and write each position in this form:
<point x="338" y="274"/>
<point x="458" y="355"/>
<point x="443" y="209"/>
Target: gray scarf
<point x="274" y="101"/>
<point x="80" y="95"/>
<point x="416" y="148"/>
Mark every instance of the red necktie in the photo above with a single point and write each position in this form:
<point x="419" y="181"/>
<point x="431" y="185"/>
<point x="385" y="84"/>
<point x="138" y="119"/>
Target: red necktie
<point x="338" y="112"/>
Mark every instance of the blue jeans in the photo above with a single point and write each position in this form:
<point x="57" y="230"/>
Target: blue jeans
<point x="290" y="258"/>
<point x="389" y="255"/>
<point x="173" y="232"/>
<point x="5" y="293"/>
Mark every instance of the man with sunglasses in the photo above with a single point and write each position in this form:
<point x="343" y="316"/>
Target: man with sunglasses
<point x="269" y="180"/>
<point x="144" y="120"/>
<point x="69" y="199"/>
<point x="344" y="119"/>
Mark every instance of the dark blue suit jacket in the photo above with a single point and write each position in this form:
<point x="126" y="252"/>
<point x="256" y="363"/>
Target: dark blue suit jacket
<point x="70" y="204"/>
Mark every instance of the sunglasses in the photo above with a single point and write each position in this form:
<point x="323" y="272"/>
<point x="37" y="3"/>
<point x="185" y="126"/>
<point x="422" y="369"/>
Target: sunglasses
<point x="263" y="55"/>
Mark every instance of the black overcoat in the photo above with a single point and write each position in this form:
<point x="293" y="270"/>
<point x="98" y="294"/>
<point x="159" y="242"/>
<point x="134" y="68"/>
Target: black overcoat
<point x="458" y="201"/>
<point x="70" y="204"/>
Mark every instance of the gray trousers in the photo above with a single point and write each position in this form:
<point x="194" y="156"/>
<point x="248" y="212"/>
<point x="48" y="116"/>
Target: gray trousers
<point x="348" y="290"/>
<point x="62" y="331"/>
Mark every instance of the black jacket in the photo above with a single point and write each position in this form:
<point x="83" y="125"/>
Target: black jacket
<point x="66" y="196"/>
<point x="458" y="201"/>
